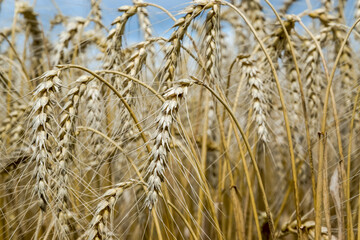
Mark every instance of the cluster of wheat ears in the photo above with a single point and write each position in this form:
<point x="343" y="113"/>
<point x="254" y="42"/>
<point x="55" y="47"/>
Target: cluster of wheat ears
<point x="242" y="123"/>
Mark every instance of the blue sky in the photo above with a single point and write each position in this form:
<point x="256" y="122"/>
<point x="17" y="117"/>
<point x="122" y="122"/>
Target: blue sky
<point x="46" y="9"/>
<point x="161" y="22"/>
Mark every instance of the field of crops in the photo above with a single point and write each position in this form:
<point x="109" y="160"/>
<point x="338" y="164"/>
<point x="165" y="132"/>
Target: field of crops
<point x="241" y="121"/>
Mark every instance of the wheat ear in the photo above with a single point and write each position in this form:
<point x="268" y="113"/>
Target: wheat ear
<point x="145" y="25"/>
<point x="42" y="142"/>
<point x="98" y="228"/>
<point x="181" y="25"/>
<point x="37" y="46"/>
<point x="66" y="151"/>
<point x="253" y="10"/>
<point x="114" y="55"/>
<point x="348" y="80"/>
<point x="13" y="125"/>
<point x="128" y="89"/>
<point x="258" y="97"/>
<point x="65" y="37"/>
<point x="158" y="157"/>
<point x="96" y="12"/>
<point x="94" y="119"/>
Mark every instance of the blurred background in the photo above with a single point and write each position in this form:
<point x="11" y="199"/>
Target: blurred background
<point x="47" y="9"/>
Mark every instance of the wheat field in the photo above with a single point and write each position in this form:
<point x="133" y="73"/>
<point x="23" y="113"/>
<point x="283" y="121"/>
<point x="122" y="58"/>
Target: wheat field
<point x="241" y="121"/>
